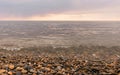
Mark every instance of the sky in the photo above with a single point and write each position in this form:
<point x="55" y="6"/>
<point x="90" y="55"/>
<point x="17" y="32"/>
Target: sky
<point x="75" y="10"/>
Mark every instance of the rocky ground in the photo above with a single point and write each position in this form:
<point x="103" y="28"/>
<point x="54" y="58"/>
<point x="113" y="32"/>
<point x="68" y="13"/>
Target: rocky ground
<point x="60" y="62"/>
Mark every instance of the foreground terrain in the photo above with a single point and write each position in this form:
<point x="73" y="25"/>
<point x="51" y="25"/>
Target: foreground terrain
<point x="82" y="60"/>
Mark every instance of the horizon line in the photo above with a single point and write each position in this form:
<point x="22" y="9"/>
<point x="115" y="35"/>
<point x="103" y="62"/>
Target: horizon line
<point x="59" y="20"/>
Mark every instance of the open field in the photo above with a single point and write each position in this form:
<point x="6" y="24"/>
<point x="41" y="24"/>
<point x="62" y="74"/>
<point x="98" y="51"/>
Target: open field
<point x="59" y="48"/>
<point x="23" y="33"/>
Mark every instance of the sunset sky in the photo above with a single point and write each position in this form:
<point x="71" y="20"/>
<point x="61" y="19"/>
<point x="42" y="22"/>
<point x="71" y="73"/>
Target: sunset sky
<point x="76" y="10"/>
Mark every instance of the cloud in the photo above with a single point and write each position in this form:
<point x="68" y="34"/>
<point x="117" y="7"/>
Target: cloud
<point x="30" y="8"/>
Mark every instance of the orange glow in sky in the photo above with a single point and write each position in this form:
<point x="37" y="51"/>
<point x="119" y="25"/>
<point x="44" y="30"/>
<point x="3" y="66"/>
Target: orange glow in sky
<point x="66" y="17"/>
<point x="60" y="10"/>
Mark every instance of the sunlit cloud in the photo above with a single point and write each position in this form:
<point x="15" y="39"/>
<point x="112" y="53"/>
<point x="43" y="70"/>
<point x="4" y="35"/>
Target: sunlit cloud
<point x="68" y="17"/>
<point x="60" y="10"/>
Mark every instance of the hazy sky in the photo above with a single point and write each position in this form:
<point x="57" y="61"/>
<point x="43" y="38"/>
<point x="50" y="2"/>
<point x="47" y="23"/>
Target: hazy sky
<point x="59" y="9"/>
